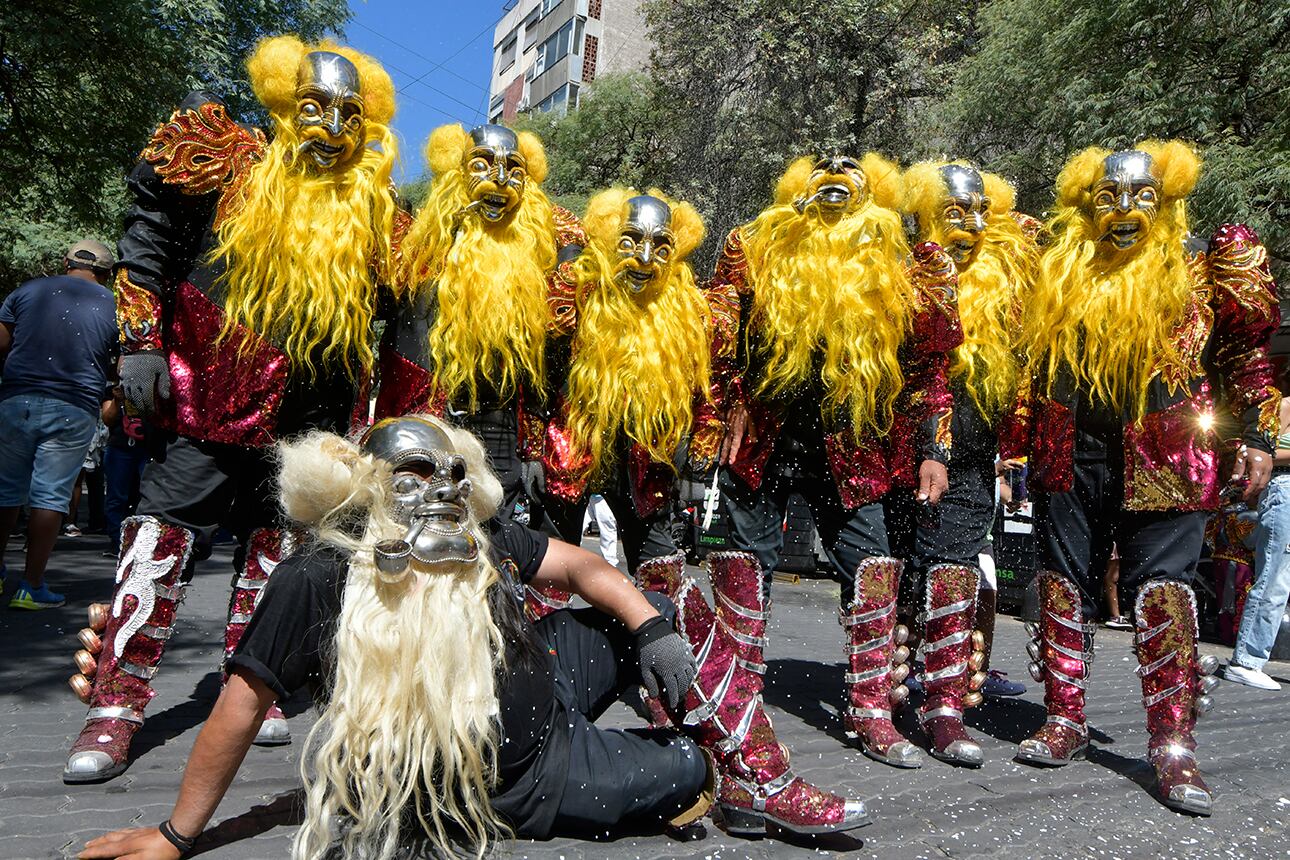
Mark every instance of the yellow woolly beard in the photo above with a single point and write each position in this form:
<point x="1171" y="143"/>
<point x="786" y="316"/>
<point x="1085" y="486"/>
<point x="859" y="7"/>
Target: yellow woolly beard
<point x="832" y="304"/>
<point x="491" y="282"/>
<point x="303" y="251"/>
<point x="1111" y="325"/>
<point x="637" y="364"/>
<point x="986" y="361"/>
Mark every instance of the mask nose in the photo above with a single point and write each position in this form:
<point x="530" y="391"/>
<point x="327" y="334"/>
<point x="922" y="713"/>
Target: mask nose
<point x="977" y="223"/>
<point x="331" y="122"/>
<point x="646" y="254"/>
<point x="446" y="492"/>
<point x="501" y="173"/>
<point x="1125" y="203"/>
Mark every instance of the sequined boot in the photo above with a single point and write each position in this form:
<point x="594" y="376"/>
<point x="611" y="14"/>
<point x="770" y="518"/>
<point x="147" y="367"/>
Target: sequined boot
<point x="1062" y="653"/>
<point x="138" y="624"/>
<point x="876" y="657"/>
<point x="952" y="664"/>
<point x="1175" y="688"/>
<point x="265" y="549"/>
<point x="723" y="712"/>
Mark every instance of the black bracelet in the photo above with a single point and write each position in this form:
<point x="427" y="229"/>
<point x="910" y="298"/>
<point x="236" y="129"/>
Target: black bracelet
<point x="183" y="843"/>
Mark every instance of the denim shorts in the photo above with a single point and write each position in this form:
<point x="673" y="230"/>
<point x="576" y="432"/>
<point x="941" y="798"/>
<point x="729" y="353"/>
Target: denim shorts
<point x="43" y="441"/>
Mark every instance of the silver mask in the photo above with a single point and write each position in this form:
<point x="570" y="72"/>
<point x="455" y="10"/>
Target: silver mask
<point x="496" y="172"/>
<point x="964" y="211"/>
<point x="1126" y="200"/>
<point x="645" y="244"/>
<point x="329" y="108"/>
<point x="837" y="185"/>
<point x="433" y="507"/>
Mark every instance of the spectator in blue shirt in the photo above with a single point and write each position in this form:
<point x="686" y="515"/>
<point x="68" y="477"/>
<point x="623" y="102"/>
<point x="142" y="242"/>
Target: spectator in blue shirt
<point x="58" y="338"/>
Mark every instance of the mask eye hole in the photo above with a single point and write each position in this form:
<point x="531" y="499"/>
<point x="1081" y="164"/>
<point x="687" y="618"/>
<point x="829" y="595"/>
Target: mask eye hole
<point x="954" y="213"/>
<point x="663" y="252"/>
<point x="627" y="244"/>
<point x="458" y="470"/>
<point x="405" y="483"/>
<point x="310" y="109"/>
<point x="478" y="165"/>
<point x="1104" y="198"/>
<point x="1146" y="195"/>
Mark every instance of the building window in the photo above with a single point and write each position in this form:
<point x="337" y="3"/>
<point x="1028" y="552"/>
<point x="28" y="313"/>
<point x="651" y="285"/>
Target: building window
<point x="548" y="5"/>
<point x="557" y="47"/>
<point x="507" y="58"/>
<point x="557" y="101"/>
<point x="531" y="29"/>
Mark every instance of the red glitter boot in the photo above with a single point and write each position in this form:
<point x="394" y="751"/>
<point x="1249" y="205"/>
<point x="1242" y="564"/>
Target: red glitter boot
<point x="1062" y="654"/>
<point x="948" y="676"/>
<point x="141" y="620"/>
<point x="876" y="664"/>
<point x="264" y="551"/>
<point x="1175" y="688"/>
<point x="724" y="713"/>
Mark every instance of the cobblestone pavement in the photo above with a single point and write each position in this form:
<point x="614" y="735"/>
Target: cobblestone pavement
<point x="1097" y="808"/>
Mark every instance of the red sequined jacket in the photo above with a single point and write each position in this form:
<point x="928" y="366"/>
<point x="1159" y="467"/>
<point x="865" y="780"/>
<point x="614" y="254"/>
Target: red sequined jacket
<point x="407" y="384"/>
<point x="651" y="483"/>
<point x="863" y="469"/>
<point x="1171" y="456"/>
<point x="169" y="297"/>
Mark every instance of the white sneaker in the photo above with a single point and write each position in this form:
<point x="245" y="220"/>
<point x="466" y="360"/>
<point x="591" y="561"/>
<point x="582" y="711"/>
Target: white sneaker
<point x="1249" y="677"/>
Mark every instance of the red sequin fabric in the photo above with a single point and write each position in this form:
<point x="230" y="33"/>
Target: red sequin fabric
<point x="947" y="644"/>
<point x="869" y="622"/>
<point x="1063" y="654"/>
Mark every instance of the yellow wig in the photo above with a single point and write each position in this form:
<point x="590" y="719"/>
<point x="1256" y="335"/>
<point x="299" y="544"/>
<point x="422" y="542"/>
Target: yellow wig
<point x="1002" y="267"/>
<point x="491" y="279"/>
<point x="1110" y="318"/>
<point x="638" y="360"/>
<point x="832" y="303"/>
<point x="304" y="249"/>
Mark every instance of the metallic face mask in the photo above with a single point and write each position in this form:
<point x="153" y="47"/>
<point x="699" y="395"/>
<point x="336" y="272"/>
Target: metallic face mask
<point x="329" y="108"/>
<point x="964" y="212"/>
<point x="645" y="244"/>
<point x="1126" y="200"/>
<point x="837" y="185"/>
<point x="432" y="507"/>
<point x="495" y="172"/>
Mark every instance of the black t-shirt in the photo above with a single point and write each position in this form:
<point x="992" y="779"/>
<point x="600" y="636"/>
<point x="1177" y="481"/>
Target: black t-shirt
<point x="288" y="646"/>
<point x="64" y="341"/>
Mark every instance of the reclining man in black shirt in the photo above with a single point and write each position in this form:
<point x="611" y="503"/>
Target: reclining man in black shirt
<point x="445" y="715"/>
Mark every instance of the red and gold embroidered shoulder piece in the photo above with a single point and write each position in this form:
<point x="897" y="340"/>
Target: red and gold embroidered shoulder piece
<point x="562" y="284"/>
<point x="201" y="150"/>
<point x="138" y="314"/>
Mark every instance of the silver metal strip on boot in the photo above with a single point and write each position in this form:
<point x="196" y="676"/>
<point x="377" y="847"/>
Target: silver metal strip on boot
<point x="708" y="705"/>
<point x="1144" y="671"/>
<point x="1063" y="677"/>
<point x="240" y="618"/>
<point x="735" y="737"/>
<point x="742" y="638"/>
<point x="1148" y="635"/>
<point x="251" y="584"/>
<point x="1077" y="626"/>
<point x="865" y="647"/>
<point x="948" y="609"/>
<point x="755" y="668"/>
<point x="159" y="633"/>
<point x="867" y="675"/>
<point x="953" y="639"/>
<point x="739" y="609"/>
<point x="1162" y="695"/>
<point x="943" y="711"/>
<point x="872" y="615"/>
<point x="1171" y="750"/>
<point x="869" y="713"/>
<point x="1058" y="719"/>
<point x="1083" y="656"/>
<point x="145" y="673"/>
<point x="947" y="672"/>
<point x="114" y="713"/>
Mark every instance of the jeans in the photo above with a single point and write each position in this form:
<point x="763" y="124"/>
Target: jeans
<point x="45" y="440"/>
<point x="1267" y="599"/>
<point x="122" y="471"/>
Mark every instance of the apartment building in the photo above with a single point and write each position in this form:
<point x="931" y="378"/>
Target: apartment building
<point x="545" y="51"/>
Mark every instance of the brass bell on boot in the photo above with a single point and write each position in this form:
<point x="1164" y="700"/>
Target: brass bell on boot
<point x="978" y="640"/>
<point x="1033" y="649"/>
<point x="1207" y="684"/>
<point x="1032" y="629"/>
<point x="898" y="694"/>
<point x="86" y="662"/>
<point x="1203" y="705"/>
<point x="99" y="615"/>
<point x="81" y="686"/>
<point x="1208" y="664"/>
<point x="1036" y="671"/>
<point x="976" y="660"/>
<point x="90" y="640"/>
<point x="899" y="673"/>
<point x="900" y="655"/>
<point x="900" y="635"/>
<point x="977" y="681"/>
<point x="971" y="700"/>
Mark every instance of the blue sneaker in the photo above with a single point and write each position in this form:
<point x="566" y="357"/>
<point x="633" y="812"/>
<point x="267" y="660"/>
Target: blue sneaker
<point x="40" y="598"/>
<point x="997" y="684"/>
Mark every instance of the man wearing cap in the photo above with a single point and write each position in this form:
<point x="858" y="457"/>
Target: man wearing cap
<point x="58" y="338"/>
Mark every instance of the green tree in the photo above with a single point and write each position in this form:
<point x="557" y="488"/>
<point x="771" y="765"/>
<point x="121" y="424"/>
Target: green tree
<point x="82" y="85"/>
<point x="1049" y="77"/>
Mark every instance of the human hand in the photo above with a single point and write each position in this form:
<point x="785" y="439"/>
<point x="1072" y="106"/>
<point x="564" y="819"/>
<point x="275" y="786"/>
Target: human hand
<point x="667" y="663"/>
<point x="533" y="477"/>
<point x="135" y="843"/>
<point x="1255" y="468"/>
<point x="933" y="481"/>
<point x="736" y="429"/>
<point x="145" y="380"/>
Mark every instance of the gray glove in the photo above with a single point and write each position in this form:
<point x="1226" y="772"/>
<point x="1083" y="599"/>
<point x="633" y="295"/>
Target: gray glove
<point x="667" y="664"/>
<point x="145" y="379"/>
<point x="533" y="478"/>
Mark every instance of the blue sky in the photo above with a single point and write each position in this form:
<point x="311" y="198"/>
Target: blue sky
<point x="439" y="53"/>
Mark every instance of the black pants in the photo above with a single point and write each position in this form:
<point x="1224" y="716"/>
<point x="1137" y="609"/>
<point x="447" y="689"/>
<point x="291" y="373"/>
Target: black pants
<point x="615" y="775"/>
<point x="203" y="486"/>
<point x="644" y="538"/>
<point x="848" y="536"/>
<point x="1075" y="530"/>
<point x="498" y="429"/>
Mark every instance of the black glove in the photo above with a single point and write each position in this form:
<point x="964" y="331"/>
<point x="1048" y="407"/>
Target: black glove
<point x="145" y="378"/>
<point x="533" y="478"/>
<point x="667" y="664"/>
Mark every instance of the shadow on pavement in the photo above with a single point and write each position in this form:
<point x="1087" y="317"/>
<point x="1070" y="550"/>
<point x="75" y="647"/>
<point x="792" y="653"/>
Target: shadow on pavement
<point x="285" y="810"/>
